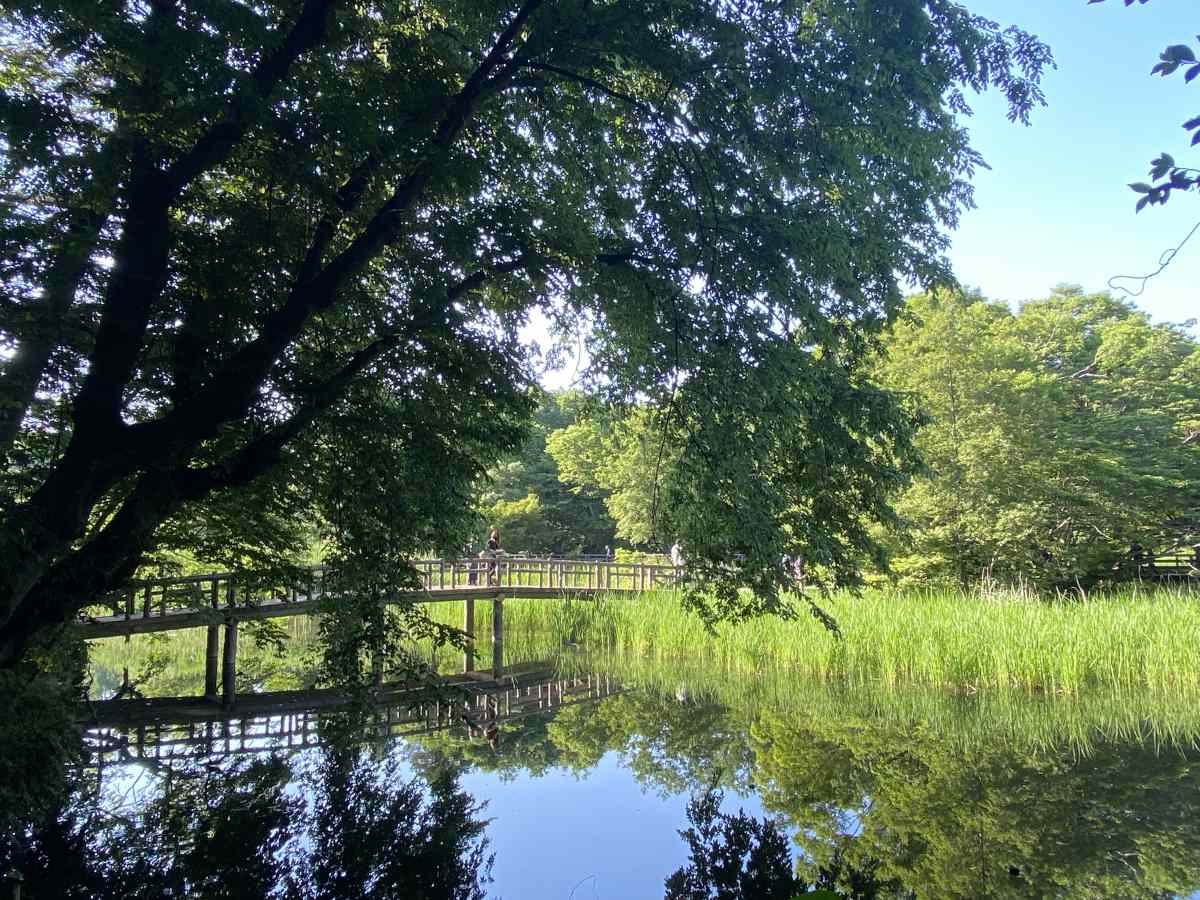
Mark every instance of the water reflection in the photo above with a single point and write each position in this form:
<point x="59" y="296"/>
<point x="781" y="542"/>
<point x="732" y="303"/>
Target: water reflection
<point x="341" y="825"/>
<point x="863" y="796"/>
<point x="985" y="821"/>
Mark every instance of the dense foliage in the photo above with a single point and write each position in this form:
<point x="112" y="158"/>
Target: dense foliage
<point x="624" y="459"/>
<point x="272" y="260"/>
<point x="528" y="500"/>
<point x="1059" y="437"/>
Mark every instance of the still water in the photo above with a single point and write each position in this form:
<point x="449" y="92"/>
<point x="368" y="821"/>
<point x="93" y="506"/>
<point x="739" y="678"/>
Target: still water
<point x="587" y="778"/>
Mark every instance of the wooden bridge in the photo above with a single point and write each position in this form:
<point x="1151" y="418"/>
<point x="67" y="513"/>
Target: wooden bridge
<point x="165" y="730"/>
<point x="219" y="601"/>
<point x="1181" y="563"/>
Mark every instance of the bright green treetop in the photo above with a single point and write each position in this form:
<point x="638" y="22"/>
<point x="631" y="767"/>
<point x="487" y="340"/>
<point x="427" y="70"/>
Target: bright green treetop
<point x="1058" y="436"/>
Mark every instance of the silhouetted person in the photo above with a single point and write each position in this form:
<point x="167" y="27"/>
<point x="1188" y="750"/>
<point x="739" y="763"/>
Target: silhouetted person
<point x="493" y="548"/>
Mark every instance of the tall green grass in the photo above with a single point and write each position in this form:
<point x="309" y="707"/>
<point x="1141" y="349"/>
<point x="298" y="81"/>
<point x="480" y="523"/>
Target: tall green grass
<point x="1131" y="672"/>
<point x="1137" y="640"/>
<point x="1134" y="640"/>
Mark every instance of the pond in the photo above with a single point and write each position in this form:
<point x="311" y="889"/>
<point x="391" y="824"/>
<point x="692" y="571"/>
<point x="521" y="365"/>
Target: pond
<point x="585" y="775"/>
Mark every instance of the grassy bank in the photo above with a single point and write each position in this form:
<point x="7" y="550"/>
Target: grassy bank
<point x="1135" y="640"/>
<point x="1138" y="640"/>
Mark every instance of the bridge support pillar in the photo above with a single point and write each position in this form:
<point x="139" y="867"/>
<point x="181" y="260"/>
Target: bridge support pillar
<point x="211" y="652"/>
<point x="229" y="665"/>
<point x="469" y="628"/>
<point x="498" y="636"/>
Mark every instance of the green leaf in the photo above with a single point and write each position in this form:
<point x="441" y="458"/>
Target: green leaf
<point x="1179" y="53"/>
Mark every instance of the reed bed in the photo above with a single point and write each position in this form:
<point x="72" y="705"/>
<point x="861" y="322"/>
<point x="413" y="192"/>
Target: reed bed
<point x="1138" y="639"/>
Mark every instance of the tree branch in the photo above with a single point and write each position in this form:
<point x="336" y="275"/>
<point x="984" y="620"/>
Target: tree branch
<point x="140" y="272"/>
<point x="233" y="388"/>
<point x="23" y="373"/>
<point x="587" y="81"/>
<point x="244" y="109"/>
<point x="37" y="531"/>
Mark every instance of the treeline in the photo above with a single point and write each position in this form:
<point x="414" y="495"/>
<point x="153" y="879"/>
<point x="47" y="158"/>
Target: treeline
<point x="1053" y="445"/>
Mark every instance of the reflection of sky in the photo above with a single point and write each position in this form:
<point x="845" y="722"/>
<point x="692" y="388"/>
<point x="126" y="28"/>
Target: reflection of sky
<point x="127" y="787"/>
<point x="553" y="834"/>
<point x="598" y="834"/>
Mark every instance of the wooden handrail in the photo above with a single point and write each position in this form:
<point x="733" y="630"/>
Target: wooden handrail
<point x="153" y="597"/>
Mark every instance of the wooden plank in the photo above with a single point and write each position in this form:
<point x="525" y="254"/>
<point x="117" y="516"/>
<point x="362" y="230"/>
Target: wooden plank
<point x="115" y="626"/>
<point x="211" y="652"/>
<point x="532" y="578"/>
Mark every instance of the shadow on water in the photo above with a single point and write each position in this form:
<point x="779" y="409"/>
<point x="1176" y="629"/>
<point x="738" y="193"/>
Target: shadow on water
<point x="863" y="794"/>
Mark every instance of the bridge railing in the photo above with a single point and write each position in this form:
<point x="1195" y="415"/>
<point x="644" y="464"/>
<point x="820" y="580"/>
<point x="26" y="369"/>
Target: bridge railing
<point x="213" y="590"/>
<point x="551" y="574"/>
<point x="225" y="590"/>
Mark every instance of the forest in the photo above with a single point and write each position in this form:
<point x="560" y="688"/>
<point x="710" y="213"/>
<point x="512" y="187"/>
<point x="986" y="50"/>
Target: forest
<point x="1056" y="446"/>
<point x="283" y="286"/>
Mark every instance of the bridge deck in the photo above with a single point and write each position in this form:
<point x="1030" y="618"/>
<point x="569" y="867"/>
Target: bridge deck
<point x="169" y="604"/>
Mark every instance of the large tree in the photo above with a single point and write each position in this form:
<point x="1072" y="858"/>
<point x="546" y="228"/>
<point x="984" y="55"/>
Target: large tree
<point x="275" y="256"/>
<point x="1058" y="436"/>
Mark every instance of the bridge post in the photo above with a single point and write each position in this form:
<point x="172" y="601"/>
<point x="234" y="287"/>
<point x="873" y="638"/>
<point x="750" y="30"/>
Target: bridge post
<point x="212" y="651"/>
<point x="229" y="665"/>
<point x="129" y="613"/>
<point x="498" y="636"/>
<point x="469" y="628"/>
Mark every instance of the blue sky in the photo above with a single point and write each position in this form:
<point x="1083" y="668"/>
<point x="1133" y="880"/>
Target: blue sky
<point x="1055" y="206"/>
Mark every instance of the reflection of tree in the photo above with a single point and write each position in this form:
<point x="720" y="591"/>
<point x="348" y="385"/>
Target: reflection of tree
<point x="346" y="827"/>
<point x="732" y="857"/>
<point x="670" y="746"/>
<point x="675" y="746"/>
<point x="737" y="856"/>
<point x="989" y="822"/>
<point x="522" y="747"/>
<point x="372" y="836"/>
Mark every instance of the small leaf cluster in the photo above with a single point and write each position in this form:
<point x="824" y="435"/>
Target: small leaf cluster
<point x="1177" y="178"/>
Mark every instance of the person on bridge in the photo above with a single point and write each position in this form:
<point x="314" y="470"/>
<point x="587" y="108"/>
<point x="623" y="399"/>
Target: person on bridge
<point x="677" y="558"/>
<point x="492" y="551"/>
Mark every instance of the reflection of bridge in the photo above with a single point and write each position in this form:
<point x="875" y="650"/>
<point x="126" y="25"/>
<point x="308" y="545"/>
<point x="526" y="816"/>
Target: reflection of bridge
<point x="189" y="728"/>
<point x="222" y="600"/>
